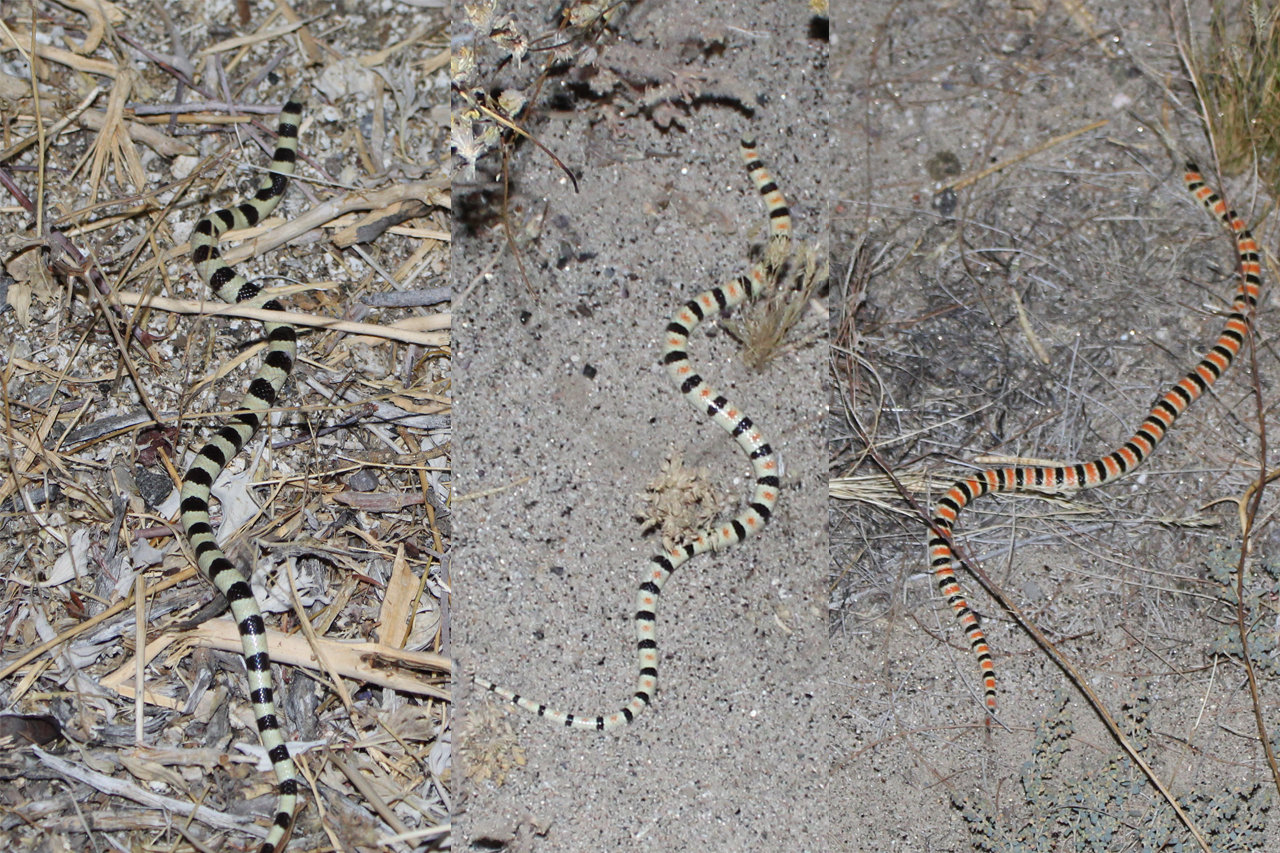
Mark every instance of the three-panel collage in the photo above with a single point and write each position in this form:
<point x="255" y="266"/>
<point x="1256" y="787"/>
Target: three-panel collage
<point x="855" y="435"/>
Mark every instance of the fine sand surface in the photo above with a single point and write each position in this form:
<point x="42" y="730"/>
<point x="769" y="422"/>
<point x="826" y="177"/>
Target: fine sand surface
<point x="551" y="460"/>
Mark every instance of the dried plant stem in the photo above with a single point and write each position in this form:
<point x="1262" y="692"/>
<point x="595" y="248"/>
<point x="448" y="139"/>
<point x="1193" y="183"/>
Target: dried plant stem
<point x="966" y="180"/>
<point x="1056" y="655"/>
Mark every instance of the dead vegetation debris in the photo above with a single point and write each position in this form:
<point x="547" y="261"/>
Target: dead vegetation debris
<point x="500" y="69"/>
<point x="118" y="363"/>
<point x="680" y="502"/>
<point x="771" y="318"/>
<point x="1237" y="73"/>
<point x="490" y="748"/>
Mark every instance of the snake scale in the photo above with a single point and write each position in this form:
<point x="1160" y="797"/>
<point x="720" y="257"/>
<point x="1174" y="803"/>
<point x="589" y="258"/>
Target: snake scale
<point x="705" y="399"/>
<point x="1122" y="460"/>
<point x="231" y="287"/>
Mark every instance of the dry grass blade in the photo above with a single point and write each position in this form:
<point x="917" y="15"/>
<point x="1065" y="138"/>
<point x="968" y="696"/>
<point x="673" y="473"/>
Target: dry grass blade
<point x="967" y="180"/>
<point x="1248" y="508"/>
<point x="878" y="489"/>
<point x="417" y="335"/>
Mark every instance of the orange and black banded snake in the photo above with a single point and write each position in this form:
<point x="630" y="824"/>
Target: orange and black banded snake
<point x="1124" y="459"/>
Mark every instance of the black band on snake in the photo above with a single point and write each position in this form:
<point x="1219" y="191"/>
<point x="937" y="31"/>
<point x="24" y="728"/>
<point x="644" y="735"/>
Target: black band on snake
<point x="230" y="286"/>
<point x="704" y="399"/>
<point x="1122" y="460"/>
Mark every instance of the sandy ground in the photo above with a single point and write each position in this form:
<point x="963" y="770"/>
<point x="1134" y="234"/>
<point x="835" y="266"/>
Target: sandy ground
<point x="1119" y="273"/>
<point x="550" y="463"/>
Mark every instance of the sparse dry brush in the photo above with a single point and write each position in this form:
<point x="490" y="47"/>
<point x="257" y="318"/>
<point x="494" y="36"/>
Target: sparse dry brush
<point x="122" y="125"/>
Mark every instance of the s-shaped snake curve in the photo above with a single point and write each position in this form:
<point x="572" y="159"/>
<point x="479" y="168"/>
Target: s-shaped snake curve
<point x="728" y="417"/>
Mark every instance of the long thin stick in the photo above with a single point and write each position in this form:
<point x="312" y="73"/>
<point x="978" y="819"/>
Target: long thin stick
<point x="960" y="183"/>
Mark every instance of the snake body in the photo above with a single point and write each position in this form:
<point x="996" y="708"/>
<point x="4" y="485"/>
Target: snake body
<point x="1120" y="461"/>
<point x="706" y="399"/>
<point x="231" y="287"/>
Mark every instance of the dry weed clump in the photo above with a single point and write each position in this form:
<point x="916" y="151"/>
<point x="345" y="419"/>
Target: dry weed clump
<point x="490" y="748"/>
<point x="681" y="501"/>
<point x="1238" y="74"/>
<point x="791" y="283"/>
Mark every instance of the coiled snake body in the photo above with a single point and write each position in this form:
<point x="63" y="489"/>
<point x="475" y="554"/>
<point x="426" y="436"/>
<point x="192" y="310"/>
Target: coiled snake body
<point x="230" y="286"/>
<point x="1120" y="461"/>
<point x="704" y="398"/>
